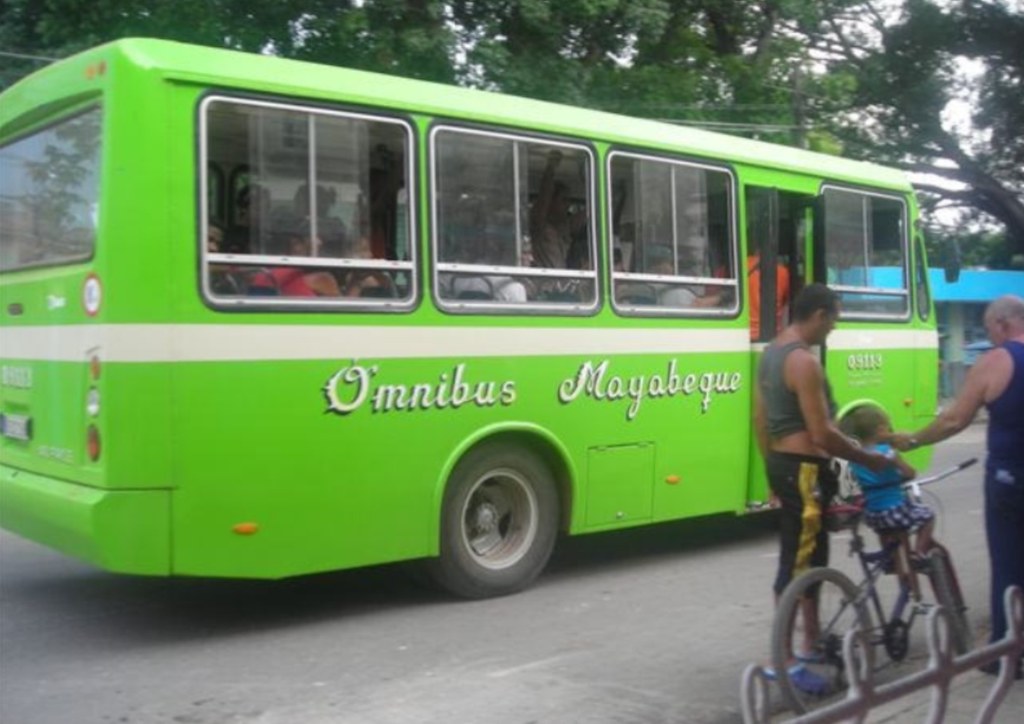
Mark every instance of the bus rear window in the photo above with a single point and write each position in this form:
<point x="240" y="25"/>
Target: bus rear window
<point x="49" y="194"/>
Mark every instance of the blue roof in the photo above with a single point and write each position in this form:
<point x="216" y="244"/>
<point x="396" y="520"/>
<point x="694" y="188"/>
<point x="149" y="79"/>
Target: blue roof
<point x="976" y="285"/>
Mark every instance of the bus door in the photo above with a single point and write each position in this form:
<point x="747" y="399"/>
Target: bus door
<point x="778" y="238"/>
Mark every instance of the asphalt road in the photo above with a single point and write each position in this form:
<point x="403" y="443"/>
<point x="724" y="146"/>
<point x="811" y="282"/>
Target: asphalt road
<point x="643" y="626"/>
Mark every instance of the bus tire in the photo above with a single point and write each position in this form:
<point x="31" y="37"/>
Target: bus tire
<point x="499" y="522"/>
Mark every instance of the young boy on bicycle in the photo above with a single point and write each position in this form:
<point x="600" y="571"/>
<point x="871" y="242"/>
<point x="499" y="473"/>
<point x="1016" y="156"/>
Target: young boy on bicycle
<point x="887" y="509"/>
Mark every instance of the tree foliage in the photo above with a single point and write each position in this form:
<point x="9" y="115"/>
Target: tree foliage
<point x="902" y="65"/>
<point x="871" y="79"/>
<point x="402" y="37"/>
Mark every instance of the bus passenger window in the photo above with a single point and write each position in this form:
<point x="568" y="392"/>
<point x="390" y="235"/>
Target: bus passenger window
<point x="514" y="214"/>
<point x="318" y="204"/>
<point x="671" y="236"/>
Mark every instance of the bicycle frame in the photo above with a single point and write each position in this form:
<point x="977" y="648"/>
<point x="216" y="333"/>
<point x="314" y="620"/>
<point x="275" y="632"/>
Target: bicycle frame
<point x="874" y="564"/>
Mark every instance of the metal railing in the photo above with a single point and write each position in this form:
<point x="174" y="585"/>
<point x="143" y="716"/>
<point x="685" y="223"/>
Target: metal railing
<point x="864" y="695"/>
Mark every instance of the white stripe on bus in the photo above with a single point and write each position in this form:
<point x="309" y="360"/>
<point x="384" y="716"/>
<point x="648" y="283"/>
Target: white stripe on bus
<point x="225" y="342"/>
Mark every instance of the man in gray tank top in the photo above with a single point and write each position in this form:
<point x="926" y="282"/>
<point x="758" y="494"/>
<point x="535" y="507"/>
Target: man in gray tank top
<point x="793" y="421"/>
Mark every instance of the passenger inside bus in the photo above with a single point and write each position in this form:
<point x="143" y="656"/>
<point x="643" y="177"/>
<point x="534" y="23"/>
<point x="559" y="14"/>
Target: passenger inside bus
<point x="329" y="227"/>
<point x="296" y="281"/>
<point x="386" y="179"/>
<point x="553" y="229"/>
<point x="660" y="261"/>
<point x="630" y="292"/>
<point x="365" y="282"/>
<point x="214" y="238"/>
<point x="669" y="295"/>
<point x="222" y="277"/>
<point x="250" y="214"/>
<point x="618" y="262"/>
<point x="493" y="250"/>
<point x="781" y="294"/>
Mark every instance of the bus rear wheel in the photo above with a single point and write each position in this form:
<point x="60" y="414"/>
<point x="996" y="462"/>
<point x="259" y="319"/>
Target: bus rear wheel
<point x="499" y="521"/>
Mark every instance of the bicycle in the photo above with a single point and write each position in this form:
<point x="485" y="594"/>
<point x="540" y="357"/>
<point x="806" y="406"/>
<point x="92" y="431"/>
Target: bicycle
<point x="843" y="605"/>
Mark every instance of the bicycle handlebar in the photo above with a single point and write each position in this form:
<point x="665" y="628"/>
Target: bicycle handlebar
<point x="914" y="486"/>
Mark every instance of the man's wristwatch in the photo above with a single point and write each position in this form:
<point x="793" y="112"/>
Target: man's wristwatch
<point x="914" y="443"/>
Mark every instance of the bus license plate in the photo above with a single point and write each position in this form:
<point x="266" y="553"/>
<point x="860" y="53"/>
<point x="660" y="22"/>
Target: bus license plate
<point x="16" y="427"/>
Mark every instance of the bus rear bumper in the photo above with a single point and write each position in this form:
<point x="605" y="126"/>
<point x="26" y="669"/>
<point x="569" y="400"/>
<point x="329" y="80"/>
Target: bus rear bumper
<point x="126" y="531"/>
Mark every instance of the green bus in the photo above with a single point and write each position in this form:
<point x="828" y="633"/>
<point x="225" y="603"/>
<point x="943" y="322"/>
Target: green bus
<point x="263" y="318"/>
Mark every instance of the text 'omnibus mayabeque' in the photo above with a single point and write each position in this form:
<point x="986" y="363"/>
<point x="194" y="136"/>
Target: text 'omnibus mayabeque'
<point x="263" y="318"/>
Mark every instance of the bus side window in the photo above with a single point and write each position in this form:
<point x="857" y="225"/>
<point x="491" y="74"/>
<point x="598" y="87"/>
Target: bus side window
<point x="315" y="205"/>
<point x="866" y="252"/>
<point x="671" y="227"/>
<point x="505" y="206"/>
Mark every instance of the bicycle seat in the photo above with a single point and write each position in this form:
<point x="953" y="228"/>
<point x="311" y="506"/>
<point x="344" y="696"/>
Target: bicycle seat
<point x="843" y="515"/>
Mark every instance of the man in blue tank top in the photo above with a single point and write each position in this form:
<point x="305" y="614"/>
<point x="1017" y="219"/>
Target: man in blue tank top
<point x="997" y="382"/>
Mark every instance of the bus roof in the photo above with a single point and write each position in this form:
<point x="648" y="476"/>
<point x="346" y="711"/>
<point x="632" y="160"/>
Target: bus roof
<point x="261" y="73"/>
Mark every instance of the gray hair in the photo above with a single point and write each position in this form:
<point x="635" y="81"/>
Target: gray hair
<point x="1005" y="308"/>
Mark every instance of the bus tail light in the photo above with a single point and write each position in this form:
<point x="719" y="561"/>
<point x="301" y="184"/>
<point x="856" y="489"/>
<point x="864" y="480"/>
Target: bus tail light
<point x="92" y="442"/>
<point x="92" y="402"/>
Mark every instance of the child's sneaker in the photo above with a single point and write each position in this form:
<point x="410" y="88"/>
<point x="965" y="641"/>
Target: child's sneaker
<point x="809" y="682"/>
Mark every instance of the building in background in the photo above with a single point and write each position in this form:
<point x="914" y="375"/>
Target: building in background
<point x="960" y="307"/>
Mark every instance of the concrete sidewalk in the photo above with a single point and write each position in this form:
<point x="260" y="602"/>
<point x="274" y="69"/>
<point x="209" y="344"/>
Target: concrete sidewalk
<point x="967" y="694"/>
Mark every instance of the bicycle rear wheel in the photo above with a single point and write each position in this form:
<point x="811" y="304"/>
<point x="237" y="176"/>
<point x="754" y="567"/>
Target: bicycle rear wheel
<point x="947" y="595"/>
<point x="820" y="672"/>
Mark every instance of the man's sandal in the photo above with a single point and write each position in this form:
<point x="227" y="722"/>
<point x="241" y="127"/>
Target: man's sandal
<point x="803" y="679"/>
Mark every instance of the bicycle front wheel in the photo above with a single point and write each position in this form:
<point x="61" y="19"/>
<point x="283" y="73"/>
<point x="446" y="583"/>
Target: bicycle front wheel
<point x="814" y="614"/>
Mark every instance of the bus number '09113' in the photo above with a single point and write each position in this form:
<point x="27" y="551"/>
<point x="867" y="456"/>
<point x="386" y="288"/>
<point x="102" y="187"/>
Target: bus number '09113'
<point x="864" y="361"/>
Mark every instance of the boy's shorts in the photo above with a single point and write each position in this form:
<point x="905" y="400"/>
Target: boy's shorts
<point x="905" y="516"/>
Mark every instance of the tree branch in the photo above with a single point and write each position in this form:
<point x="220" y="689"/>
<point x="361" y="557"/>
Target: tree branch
<point x="954" y="174"/>
<point x="845" y="44"/>
<point x="966" y="195"/>
<point x="879" y="22"/>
